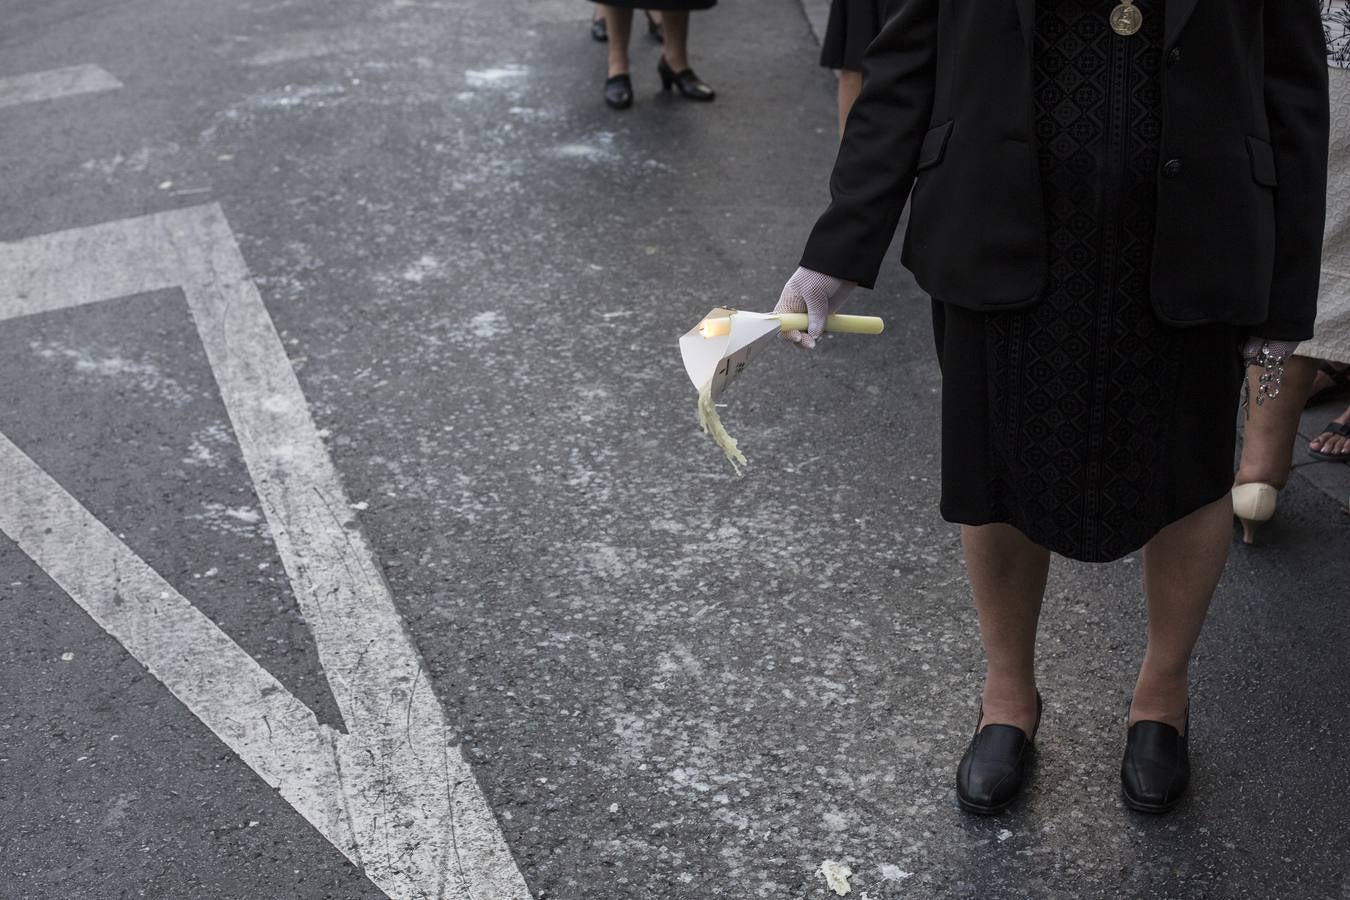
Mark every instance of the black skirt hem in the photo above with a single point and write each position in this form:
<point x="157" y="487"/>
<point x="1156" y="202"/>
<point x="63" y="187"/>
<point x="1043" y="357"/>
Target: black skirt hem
<point x="853" y="24"/>
<point x="660" y="5"/>
<point x="1147" y="533"/>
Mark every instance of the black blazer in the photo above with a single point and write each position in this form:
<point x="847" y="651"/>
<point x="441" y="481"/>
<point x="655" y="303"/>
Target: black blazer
<point x="1241" y="187"/>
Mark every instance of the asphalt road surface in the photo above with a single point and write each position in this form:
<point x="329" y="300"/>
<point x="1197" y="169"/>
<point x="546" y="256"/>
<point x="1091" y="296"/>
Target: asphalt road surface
<point x="358" y="537"/>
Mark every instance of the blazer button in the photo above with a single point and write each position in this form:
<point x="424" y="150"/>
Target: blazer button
<point x="1171" y="168"/>
<point x="1174" y="57"/>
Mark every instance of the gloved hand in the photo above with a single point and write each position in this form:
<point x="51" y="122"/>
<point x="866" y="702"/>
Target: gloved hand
<point x="815" y="294"/>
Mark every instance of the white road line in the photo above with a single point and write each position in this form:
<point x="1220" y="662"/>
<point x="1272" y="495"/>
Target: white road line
<point x="395" y="795"/>
<point x="54" y="84"/>
<point x="184" y="649"/>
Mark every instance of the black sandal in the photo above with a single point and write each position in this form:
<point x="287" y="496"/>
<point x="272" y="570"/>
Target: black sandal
<point x="1340" y="383"/>
<point x="1332" y="428"/>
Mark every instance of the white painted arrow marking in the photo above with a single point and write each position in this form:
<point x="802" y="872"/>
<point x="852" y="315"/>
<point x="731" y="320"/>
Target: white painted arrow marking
<point x="394" y="794"/>
<point x="54" y="84"/>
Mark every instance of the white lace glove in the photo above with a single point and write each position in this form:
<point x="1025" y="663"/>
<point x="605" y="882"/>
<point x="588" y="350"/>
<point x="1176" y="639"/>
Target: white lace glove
<point x="815" y="294"/>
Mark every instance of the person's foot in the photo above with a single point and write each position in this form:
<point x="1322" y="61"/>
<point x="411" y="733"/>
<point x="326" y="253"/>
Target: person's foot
<point x="1264" y="468"/>
<point x="1330" y="378"/>
<point x="1160" y="699"/>
<point x="619" y="91"/>
<point x="1332" y="444"/>
<point x="1156" y="769"/>
<point x="1254" y="504"/>
<point x="689" y="85"/>
<point x="599" y="29"/>
<point x="674" y="64"/>
<point x="994" y="768"/>
<point x="655" y="29"/>
<point x="1004" y="703"/>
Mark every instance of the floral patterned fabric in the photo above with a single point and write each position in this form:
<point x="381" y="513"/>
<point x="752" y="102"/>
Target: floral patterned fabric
<point x="1336" y="27"/>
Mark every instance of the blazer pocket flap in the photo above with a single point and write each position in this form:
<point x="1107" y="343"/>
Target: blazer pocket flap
<point x="933" y="146"/>
<point x="1263" y="162"/>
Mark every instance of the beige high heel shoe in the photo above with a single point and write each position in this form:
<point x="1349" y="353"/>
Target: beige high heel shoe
<point x="1253" y="504"/>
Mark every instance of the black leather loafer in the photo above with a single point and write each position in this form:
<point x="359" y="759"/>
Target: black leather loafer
<point x="993" y="770"/>
<point x="599" y="30"/>
<point x="1157" y="766"/>
<point x="619" y="92"/>
<point x="690" y="86"/>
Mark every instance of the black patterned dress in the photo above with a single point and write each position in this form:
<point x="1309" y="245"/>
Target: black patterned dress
<point x="1083" y="420"/>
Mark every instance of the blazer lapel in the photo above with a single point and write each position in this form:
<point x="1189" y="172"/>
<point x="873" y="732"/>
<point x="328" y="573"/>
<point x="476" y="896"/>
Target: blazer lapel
<point x="1178" y="12"/>
<point x="1026" y="9"/>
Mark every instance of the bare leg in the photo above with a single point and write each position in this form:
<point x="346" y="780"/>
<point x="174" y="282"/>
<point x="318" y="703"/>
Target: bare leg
<point x="1269" y="430"/>
<point x="1182" y="567"/>
<point x="654" y="15"/>
<point x="850" y="84"/>
<point x="1007" y="574"/>
<point x="676" y="23"/>
<point x="620" y="25"/>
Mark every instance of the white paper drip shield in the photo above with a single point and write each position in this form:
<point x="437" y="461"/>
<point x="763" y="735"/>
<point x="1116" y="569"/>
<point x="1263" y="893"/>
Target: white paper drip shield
<point x="718" y="349"/>
<point x="722" y="357"/>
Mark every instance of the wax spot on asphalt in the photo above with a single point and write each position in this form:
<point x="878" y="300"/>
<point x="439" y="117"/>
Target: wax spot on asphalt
<point x="291" y="96"/>
<point x="488" y="324"/>
<point x="419" y="270"/>
<point x="209" y="445"/>
<point x="892" y="872"/>
<point x="138" y="161"/>
<point x="114" y="366"/>
<point x="495" y="76"/>
<point x="835" y="821"/>
<point x="243" y="521"/>
<point x="836" y="876"/>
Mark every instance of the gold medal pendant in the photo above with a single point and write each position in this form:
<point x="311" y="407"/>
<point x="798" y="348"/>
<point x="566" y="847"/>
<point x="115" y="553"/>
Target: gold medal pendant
<point x="1126" y="19"/>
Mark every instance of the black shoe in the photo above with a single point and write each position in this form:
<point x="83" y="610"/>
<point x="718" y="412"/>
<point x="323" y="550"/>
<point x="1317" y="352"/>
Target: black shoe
<point x="991" y="773"/>
<point x="599" y="30"/>
<point x="1157" y="766"/>
<point x="619" y="91"/>
<point x="655" y="30"/>
<point x="686" y="82"/>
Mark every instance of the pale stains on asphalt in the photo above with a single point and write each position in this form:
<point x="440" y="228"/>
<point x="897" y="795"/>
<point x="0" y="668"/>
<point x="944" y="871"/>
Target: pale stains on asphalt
<point x="247" y="708"/>
<point x="670" y="685"/>
<point x="54" y="84"/>
<point x="397" y="765"/>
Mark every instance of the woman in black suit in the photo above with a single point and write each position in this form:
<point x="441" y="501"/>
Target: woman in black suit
<point x="1109" y="199"/>
<point x="673" y="69"/>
